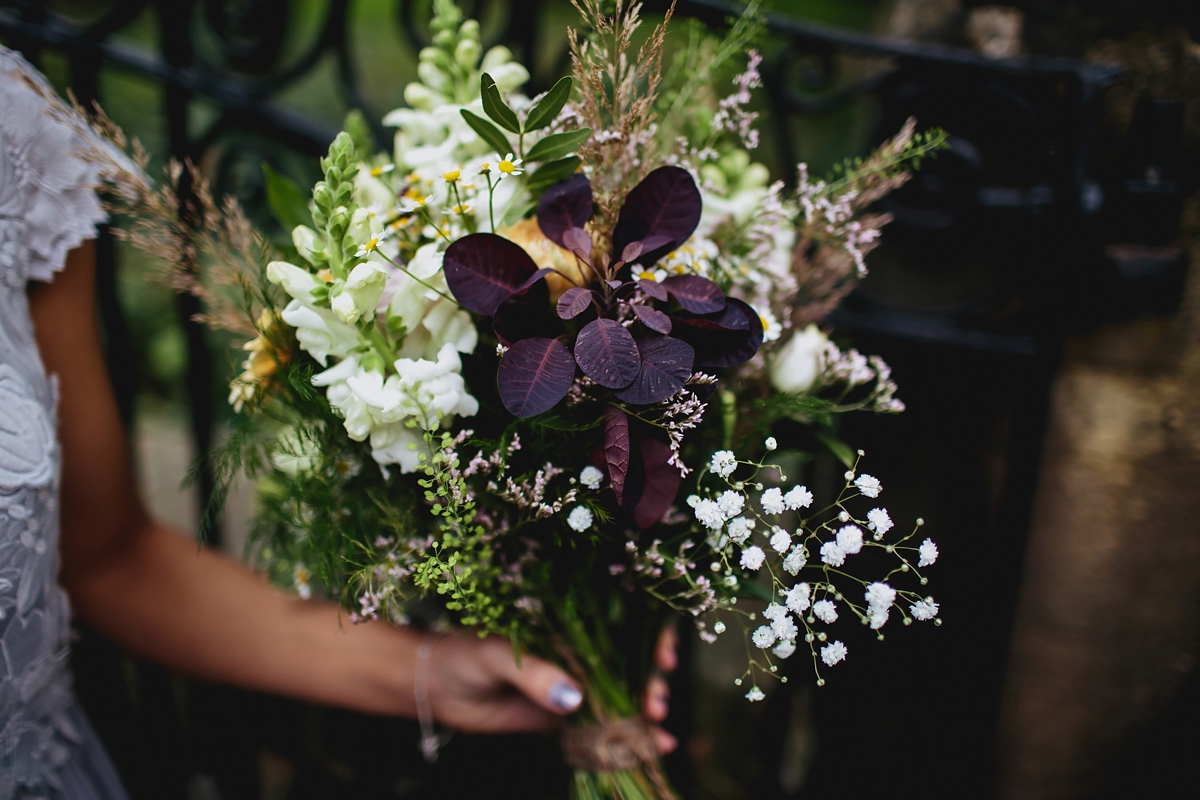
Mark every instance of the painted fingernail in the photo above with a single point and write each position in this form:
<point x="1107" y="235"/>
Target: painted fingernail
<point x="565" y="696"/>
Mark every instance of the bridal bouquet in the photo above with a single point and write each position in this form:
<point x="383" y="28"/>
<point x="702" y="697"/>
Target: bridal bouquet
<point x="531" y="372"/>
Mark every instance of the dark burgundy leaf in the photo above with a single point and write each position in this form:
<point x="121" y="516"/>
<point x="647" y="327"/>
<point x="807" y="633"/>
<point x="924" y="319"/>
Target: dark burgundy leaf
<point x="616" y="449"/>
<point x="665" y="204"/>
<point x="564" y="206"/>
<point x="579" y="242"/>
<point x="653" y="319"/>
<point x="483" y="269"/>
<point x="614" y="284"/>
<point x="662" y="483"/>
<point x="697" y="295"/>
<point x="534" y="375"/>
<point x="527" y="313"/>
<point x="726" y="339"/>
<point x="666" y="365"/>
<point x="654" y="289"/>
<point x="607" y="353"/>
<point x="631" y="251"/>
<point x="574" y="301"/>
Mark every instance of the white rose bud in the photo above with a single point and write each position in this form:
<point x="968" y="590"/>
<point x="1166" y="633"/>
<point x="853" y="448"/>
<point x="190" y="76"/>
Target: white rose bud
<point x="800" y="361"/>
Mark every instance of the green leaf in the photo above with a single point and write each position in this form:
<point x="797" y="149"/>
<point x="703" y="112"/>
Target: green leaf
<point x="552" y="172"/>
<point x="840" y="449"/>
<point x="490" y="133"/>
<point x="557" y="145"/>
<point x="495" y="107"/>
<point x="288" y="204"/>
<point x="548" y="107"/>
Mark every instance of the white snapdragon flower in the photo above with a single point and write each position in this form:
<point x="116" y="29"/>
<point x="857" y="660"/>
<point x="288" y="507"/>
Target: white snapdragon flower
<point x="591" y="477"/>
<point x="784" y="649"/>
<point x="798" y="598"/>
<point x="710" y="515"/>
<point x="924" y="610"/>
<point x="799" y="497"/>
<point x="763" y="637"/>
<point x="363" y="287"/>
<point x="781" y="540"/>
<point x="795" y="560"/>
<point x="868" y="485"/>
<point x="826" y="611"/>
<point x="850" y="539"/>
<point x="580" y="519"/>
<point x="928" y="552"/>
<point x="297" y="282"/>
<point x="800" y="361"/>
<point x="731" y="503"/>
<point x="739" y="529"/>
<point x="832" y="653"/>
<point x="879" y="521"/>
<point x="319" y="332"/>
<point x="308" y="243"/>
<point x="753" y="557"/>
<point x="832" y="555"/>
<point x="772" y="501"/>
<point x="724" y="462"/>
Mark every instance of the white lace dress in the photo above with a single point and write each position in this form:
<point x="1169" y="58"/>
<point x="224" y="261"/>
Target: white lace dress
<point x="47" y="207"/>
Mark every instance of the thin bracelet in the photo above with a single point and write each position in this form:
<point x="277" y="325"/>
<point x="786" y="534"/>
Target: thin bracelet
<point x="431" y="741"/>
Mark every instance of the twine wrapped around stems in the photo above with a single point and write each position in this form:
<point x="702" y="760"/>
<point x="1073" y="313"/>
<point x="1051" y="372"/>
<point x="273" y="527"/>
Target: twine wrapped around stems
<point x="620" y="744"/>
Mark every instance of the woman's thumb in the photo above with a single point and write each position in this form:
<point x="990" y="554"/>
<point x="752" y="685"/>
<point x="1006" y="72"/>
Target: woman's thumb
<point x="543" y="683"/>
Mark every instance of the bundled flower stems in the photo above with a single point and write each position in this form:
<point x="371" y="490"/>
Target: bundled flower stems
<point x="526" y="373"/>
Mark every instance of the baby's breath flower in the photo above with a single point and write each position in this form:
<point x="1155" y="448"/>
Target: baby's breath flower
<point x="763" y="637"/>
<point x="879" y="521"/>
<point x="774" y="611"/>
<point x="718" y="627"/>
<point x="826" y="611"/>
<point x="798" y="497"/>
<point x="753" y="557"/>
<point x="731" y="503"/>
<point x="580" y="518"/>
<point x="755" y="694"/>
<point x="710" y="515"/>
<point x="785" y="628"/>
<point x="868" y="485"/>
<point x="928" y="552"/>
<point x="739" y="529"/>
<point x="850" y="539"/>
<point x="784" y="649"/>
<point x="833" y="555"/>
<point x="924" y="610"/>
<point x="771" y="444"/>
<point x="781" y="541"/>
<point x="797" y="598"/>
<point x="591" y="477"/>
<point x="832" y="653"/>
<point x="795" y="560"/>
<point x="772" y="501"/>
<point x="723" y="463"/>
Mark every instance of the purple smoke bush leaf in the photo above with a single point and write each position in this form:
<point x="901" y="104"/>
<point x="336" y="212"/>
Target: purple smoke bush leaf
<point x="666" y="204"/>
<point x="483" y="269"/>
<point x="666" y="364"/>
<point x="662" y="483"/>
<point x="607" y="354"/>
<point x="534" y="375"/>
<point x="725" y="339"/>
<point x="565" y="206"/>
<point x="616" y="449"/>
<point x="697" y="295"/>
<point x="653" y="319"/>
<point x="574" y="301"/>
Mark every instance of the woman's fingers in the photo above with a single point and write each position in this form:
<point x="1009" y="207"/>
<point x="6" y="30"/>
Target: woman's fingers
<point x="539" y="680"/>
<point x="654" y="701"/>
<point x="665" y="657"/>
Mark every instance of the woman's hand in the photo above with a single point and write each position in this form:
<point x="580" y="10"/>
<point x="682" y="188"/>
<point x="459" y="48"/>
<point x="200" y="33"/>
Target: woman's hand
<point x="476" y="686"/>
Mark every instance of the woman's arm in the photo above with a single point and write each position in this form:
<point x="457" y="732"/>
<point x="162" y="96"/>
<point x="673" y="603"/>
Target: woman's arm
<point x="153" y="591"/>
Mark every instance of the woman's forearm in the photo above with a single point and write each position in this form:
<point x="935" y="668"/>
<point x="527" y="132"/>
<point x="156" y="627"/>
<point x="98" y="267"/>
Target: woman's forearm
<point x="200" y="613"/>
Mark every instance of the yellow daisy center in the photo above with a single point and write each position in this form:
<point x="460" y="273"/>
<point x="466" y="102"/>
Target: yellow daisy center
<point x="452" y="176"/>
<point x="647" y="275"/>
<point x="506" y="167"/>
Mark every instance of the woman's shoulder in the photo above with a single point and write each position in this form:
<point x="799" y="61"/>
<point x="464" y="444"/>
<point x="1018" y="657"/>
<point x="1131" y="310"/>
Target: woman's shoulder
<point x="48" y="201"/>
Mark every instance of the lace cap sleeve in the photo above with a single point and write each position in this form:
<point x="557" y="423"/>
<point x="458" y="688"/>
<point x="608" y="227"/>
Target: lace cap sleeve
<point x="48" y="202"/>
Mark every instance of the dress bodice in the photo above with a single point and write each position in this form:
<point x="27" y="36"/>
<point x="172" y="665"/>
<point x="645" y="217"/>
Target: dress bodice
<point x="48" y="205"/>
